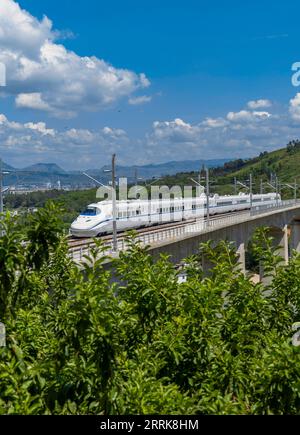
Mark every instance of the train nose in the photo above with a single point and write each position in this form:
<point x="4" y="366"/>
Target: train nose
<point x="85" y="223"/>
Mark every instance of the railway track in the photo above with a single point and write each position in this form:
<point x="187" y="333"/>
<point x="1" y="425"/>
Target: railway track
<point x="85" y="242"/>
<point x="80" y="249"/>
<point x="73" y="242"/>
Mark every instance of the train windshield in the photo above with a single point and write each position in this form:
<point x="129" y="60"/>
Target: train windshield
<point x="91" y="211"/>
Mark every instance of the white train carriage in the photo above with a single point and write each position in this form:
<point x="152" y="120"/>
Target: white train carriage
<point x="97" y="219"/>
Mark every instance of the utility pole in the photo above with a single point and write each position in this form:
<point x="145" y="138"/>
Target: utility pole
<point x="114" y="203"/>
<point x="199" y="175"/>
<point x="207" y="196"/>
<point x="207" y="190"/>
<point x="235" y="186"/>
<point x="1" y="187"/>
<point x="112" y="188"/>
<point x="251" y="191"/>
<point x="294" y="187"/>
<point x="276" y="184"/>
<point x="136" y="180"/>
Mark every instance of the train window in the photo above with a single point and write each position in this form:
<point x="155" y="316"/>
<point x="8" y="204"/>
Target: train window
<point x="193" y="207"/>
<point x="91" y="211"/>
<point x="138" y="212"/>
<point x="224" y="204"/>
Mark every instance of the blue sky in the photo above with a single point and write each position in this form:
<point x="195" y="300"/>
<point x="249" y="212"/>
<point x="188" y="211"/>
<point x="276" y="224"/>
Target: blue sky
<point x="183" y="76"/>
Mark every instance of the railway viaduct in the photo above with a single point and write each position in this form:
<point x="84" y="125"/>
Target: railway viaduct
<point x="182" y="242"/>
<point x="283" y="222"/>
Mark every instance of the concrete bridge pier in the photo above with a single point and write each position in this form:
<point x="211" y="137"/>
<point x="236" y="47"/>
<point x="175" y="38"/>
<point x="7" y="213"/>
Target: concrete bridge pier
<point x="241" y="252"/>
<point x="241" y="266"/>
<point x="207" y="266"/>
<point x="237" y="230"/>
<point x="280" y="241"/>
<point x="295" y="236"/>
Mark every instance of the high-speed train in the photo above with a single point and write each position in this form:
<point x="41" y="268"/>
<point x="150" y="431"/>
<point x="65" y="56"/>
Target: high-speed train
<point x="97" y="219"/>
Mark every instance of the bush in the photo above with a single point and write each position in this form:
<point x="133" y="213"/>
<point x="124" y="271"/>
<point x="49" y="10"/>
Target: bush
<point x="79" y="344"/>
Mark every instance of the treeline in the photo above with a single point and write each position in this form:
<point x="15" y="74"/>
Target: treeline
<point x="72" y="202"/>
<point x="293" y="146"/>
<point x="283" y="162"/>
<point x="76" y="343"/>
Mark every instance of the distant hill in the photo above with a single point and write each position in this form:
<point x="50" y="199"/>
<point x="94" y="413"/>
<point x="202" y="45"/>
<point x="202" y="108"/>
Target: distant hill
<point x="159" y="170"/>
<point x="7" y="167"/>
<point x="47" y="168"/>
<point x="43" y="173"/>
<point x="283" y="163"/>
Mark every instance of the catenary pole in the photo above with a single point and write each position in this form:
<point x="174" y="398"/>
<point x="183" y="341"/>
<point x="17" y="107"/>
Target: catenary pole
<point x="207" y="196"/>
<point x="114" y="203"/>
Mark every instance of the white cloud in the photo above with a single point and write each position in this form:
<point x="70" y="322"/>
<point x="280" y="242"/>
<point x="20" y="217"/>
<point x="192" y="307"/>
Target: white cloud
<point x="44" y="75"/>
<point x="295" y="107"/>
<point x="40" y="127"/>
<point x="214" y="123"/>
<point x="237" y="134"/>
<point x="177" y="130"/>
<point x="135" y="101"/>
<point x="246" y="116"/>
<point x="259" y="104"/>
<point x="32" y="101"/>
<point x="35" y="142"/>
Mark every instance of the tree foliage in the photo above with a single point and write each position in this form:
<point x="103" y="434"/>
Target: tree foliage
<point x="80" y="342"/>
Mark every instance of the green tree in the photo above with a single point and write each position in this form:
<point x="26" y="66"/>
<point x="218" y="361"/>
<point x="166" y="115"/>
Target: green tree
<point x="81" y="342"/>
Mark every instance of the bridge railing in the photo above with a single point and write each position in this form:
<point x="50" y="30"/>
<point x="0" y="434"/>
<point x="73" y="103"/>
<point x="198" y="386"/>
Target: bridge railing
<point x="200" y="226"/>
<point x="265" y="208"/>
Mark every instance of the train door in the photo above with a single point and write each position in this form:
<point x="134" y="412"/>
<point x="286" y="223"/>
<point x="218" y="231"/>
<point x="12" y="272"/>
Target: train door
<point x="172" y="209"/>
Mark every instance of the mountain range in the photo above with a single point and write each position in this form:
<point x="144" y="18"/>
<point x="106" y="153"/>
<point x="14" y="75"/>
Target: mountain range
<point x="43" y="173"/>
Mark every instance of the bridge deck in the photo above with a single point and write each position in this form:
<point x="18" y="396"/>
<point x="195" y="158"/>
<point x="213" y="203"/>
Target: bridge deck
<point x="159" y="238"/>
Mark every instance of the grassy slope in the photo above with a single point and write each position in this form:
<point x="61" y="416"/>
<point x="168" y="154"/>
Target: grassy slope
<point x="284" y="164"/>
